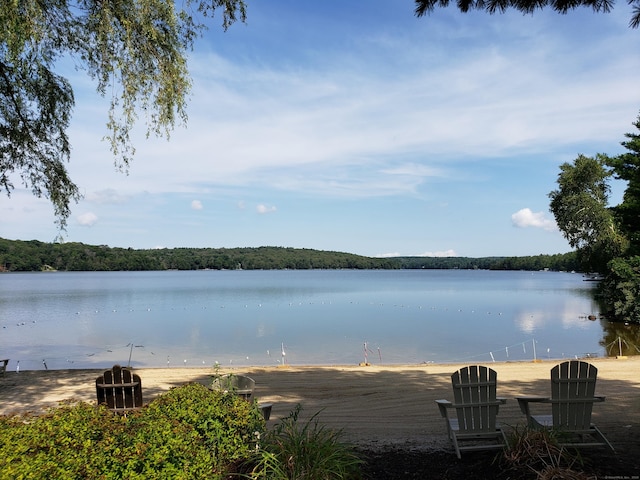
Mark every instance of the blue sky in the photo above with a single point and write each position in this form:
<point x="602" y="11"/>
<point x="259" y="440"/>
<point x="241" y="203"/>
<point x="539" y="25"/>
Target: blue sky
<point x="354" y="126"/>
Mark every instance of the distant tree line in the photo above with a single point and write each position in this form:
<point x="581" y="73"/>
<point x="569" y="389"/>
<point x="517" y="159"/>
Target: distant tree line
<point x="560" y="262"/>
<point x="32" y="256"/>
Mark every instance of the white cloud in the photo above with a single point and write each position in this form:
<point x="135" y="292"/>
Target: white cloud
<point x="87" y="219"/>
<point x="196" y="205"/>
<point x="107" y="196"/>
<point x="526" y="218"/>
<point x="444" y="253"/>
<point x="262" y="208"/>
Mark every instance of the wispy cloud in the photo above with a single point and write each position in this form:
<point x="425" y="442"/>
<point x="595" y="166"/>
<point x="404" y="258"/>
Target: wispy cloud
<point x="319" y="128"/>
<point x="370" y="122"/>
<point x="107" y="196"/>
<point x="494" y="100"/>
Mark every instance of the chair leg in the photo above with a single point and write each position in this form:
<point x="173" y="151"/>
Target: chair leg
<point x="504" y="438"/>
<point x="454" y="440"/>
<point x="598" y="433"/>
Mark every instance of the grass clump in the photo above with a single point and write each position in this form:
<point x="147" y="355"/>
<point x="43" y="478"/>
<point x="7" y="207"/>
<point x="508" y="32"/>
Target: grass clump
<point x="537" y="453"/>
<point x="304" y="450"/>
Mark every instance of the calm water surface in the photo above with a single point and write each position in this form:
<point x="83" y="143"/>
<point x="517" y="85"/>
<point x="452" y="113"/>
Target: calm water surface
<point x="155" y="319"/>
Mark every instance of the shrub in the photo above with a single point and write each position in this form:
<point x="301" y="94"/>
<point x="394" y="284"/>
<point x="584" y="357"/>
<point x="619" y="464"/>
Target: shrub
<point x="187" y="433"/>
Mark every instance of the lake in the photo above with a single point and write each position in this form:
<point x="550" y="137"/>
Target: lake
<point x="60" y="320"/>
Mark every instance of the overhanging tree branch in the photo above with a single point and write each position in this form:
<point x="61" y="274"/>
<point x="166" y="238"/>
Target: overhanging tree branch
<point x="137" y="50"/>
<point x="424" y="7"/>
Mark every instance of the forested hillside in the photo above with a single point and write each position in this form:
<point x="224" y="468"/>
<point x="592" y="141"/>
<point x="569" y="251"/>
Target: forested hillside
<point x="26" y="256"/>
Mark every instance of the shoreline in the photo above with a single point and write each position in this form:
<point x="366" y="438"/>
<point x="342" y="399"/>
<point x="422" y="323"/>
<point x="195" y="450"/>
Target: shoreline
<point x="374" y="405"/>
<point x="11" y="368"/>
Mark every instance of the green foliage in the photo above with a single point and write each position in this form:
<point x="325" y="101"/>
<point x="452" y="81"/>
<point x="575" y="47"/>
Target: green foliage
<point x="135" y="52"/>
<point x="21" y="256"/>
<point x="621" y="289"/>
<point x="559" y="262"/>
<point x="187" y="433"/>
<point x="626" y="167"/>
<point x="298" y="450"/>
<point x="580" y="207"/>
<point x="607" y="239"/>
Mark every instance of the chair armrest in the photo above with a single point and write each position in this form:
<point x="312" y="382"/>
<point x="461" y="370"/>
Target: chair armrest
<point x="532" y="399"/>
<point x="443" y="405"/>
<point x="523" y="402"/>
<point x="599" y="398"/>
<point x="502" y="400"/>
<point x="265" y="408"/>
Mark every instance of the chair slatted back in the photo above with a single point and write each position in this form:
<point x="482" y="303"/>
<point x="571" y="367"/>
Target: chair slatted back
<point x="474" y="392"/>
<point x="238" y="384"/>
<point x="120" y="389"/>
<point x="573" y="385"/>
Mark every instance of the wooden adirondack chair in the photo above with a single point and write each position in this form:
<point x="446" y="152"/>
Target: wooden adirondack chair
<point x="573" y="385"/>
<point x="3" y="365"/>
<point x="476" y="407"/>
<point x="120" y="389"/>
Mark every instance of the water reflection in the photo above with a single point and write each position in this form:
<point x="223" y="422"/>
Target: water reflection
<point x="620" y="339"/>
<point x="571" y="314"/>
<point x="321" y="317"/>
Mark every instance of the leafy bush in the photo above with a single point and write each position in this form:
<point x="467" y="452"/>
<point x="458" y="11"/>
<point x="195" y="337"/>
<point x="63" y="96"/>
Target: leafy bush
<point x="621" y="289"/>
<point x="187" y="433"/>
<point x="305" y="451"/>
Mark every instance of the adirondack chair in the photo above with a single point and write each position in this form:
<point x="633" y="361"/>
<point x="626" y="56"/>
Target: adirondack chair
<point x="3" y="365"/>
<point x="476" y="407"/>
<point x="120" y="389"/>
<point x="573" y="385"/>
<point x="238" y="384"/>
<point x="243" y="386"/>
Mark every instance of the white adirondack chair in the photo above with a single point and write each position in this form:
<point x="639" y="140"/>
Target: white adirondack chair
<point x="573" y="386"/>
<point x="474" y="426"/>
<point x="243" y="386"/>
<point x="239" y="384"/>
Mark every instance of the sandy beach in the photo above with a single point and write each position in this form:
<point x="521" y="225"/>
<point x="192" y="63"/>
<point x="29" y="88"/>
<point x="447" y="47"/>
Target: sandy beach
<point x="376" y="405"/>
